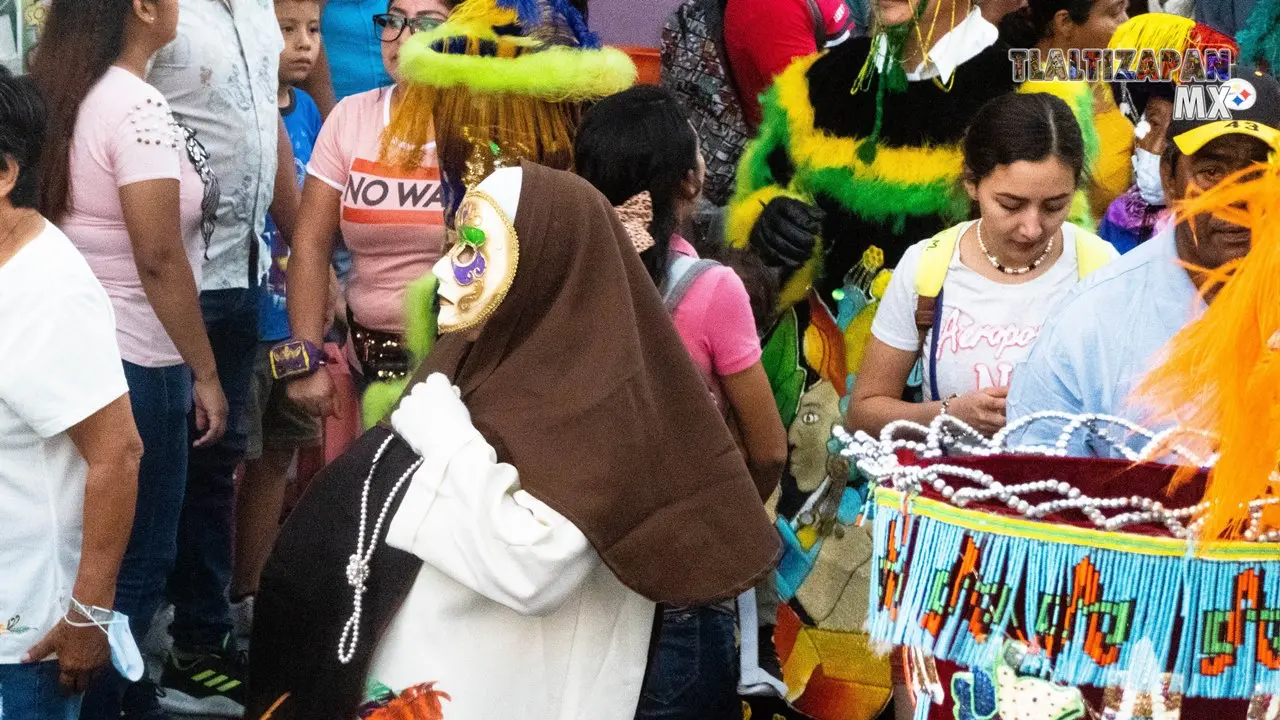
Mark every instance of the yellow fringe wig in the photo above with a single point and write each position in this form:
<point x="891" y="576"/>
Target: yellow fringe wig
<point x="1222" y="374"/>
<point x="490" y="99"/>
<point x="1162" y="31"/>
<point x="1153" y="30"/>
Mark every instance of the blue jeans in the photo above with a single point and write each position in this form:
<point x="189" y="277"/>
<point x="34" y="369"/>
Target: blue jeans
<point x="694" y="674"/>
<point x="199" y="582"/>
<point x="31" y="692"/>
<point x="161" y="399"/>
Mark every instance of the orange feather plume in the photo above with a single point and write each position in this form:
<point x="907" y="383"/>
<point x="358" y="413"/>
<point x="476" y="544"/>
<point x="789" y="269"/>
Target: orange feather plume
<point x="1222" y="372"/>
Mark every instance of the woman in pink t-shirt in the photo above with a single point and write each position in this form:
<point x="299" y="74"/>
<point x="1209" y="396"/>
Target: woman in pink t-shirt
<point x="130" y="188"/>
<point x="639" y="150"/>
<point x="392" y="221"/>
<point x="636" y="147"/>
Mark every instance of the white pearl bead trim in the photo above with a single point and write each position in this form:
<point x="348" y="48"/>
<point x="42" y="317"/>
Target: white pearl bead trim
<point x="877" y="458"/>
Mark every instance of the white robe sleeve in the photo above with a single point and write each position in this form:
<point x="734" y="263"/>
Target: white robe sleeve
<point x="465" y="514"/>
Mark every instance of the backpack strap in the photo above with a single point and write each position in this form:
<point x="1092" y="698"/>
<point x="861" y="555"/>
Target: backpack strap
<point x="930" y="275"/>
<point x="681" y="275"/>
<point x="1092" y="252"/>
<point x="932" y="272"/>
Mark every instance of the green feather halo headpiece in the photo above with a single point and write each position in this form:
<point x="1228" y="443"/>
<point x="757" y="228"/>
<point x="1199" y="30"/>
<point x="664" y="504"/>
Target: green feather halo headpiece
<point x="490" y="48"/>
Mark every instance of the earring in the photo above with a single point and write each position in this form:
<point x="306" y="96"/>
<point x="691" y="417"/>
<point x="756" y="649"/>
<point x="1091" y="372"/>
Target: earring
<point x="691" y="181"/>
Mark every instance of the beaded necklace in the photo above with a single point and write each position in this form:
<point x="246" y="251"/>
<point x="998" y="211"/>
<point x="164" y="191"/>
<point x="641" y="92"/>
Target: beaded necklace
<point x="995" y="262"/>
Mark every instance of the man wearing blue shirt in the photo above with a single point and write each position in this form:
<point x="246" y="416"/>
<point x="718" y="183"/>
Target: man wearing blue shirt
<point x="1106" y="336"/>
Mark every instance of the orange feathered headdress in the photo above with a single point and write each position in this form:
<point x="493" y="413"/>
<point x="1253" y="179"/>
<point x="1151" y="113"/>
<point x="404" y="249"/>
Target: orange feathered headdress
<point x="1223" y="371"/>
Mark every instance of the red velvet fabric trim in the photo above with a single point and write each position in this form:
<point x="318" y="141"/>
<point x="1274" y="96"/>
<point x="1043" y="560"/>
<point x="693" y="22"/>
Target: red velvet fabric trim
<point x="1092" y="476"/>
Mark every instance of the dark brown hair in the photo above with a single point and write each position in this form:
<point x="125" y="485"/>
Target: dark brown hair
<point x="640" y="140"/>
<point x="22" y="127"/>
<point x="1025" y="27"/>
<point x="80" y="41"/>
<point x="1023" y="126"/>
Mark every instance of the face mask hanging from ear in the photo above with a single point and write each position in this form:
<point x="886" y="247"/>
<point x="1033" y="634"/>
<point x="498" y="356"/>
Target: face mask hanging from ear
<point x="1146" y="172"/>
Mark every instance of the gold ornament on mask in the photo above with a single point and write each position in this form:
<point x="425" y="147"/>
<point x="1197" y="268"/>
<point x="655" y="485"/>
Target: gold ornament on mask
<point x="482" y="260"/>
<point x="492" y="149"/>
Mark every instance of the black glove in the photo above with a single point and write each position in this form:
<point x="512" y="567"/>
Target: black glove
<point x="786" y="233"/>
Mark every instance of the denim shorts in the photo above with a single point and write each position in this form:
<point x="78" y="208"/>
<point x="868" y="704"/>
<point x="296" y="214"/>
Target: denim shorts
<point x="275" y="422"/>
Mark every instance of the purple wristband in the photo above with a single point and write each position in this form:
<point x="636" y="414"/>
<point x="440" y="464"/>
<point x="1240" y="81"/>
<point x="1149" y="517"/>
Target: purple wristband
<point x="294" y="359"/>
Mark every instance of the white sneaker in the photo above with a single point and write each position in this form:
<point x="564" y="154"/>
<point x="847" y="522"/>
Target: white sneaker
<point x="157" y="643"/>
<point x="242" y="620"/>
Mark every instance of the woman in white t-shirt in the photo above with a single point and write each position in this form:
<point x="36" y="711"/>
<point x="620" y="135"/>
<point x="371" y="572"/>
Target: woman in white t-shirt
<point x="69" y="453"/>
<point x="1001" y="274"/>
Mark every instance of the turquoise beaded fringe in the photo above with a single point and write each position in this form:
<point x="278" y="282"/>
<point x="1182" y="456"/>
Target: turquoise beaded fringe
<point x="1093" y="616"/>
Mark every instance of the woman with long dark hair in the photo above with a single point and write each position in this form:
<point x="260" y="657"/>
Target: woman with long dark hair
<point x="639" y="150"/>
<point x="968" y="302"/>
<point x="131" y="189"/>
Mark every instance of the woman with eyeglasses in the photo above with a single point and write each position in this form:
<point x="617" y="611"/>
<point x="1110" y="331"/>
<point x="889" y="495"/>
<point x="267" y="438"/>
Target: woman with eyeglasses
<point x="392" y="221"/>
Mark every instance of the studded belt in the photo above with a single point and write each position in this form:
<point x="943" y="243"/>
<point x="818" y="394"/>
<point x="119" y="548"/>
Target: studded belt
<point x="382" y="355"/>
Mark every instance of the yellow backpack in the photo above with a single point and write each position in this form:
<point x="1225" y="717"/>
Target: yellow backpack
<point x="1092" y="252"/>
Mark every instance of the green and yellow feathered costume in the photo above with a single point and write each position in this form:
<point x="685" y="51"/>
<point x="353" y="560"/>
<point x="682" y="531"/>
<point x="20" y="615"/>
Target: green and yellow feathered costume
<point x="819" y="117"/>
<point x="808" y="145"/>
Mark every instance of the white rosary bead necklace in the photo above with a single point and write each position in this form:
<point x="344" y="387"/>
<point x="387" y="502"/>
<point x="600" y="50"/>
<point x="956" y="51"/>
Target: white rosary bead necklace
<point x="358" y="563"/>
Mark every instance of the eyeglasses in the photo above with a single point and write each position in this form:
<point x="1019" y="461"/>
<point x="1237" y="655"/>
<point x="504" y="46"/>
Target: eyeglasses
<point x="392" y="25"/>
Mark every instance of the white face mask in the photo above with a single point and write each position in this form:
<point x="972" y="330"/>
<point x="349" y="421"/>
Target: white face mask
<point x="1146" y="172"/>
<point x="124" y="650"/>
